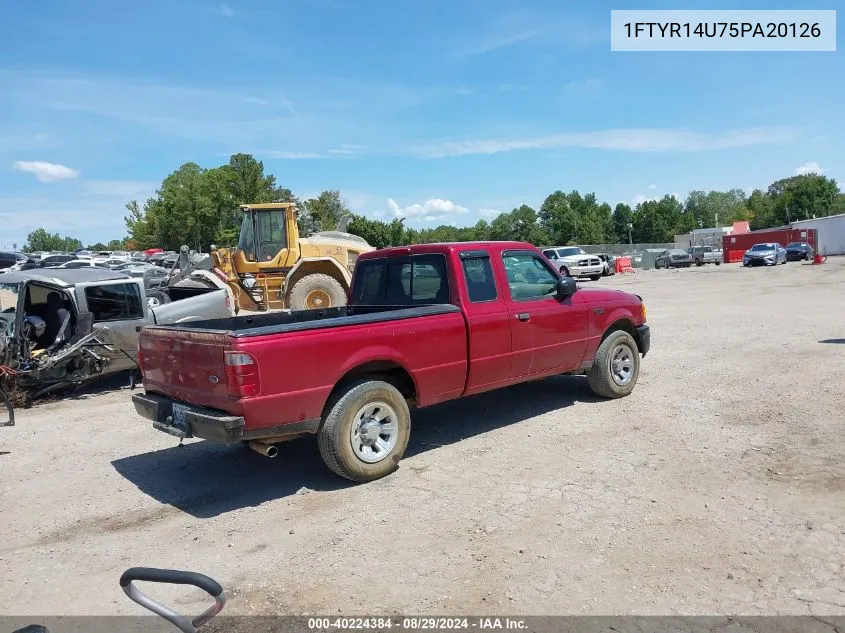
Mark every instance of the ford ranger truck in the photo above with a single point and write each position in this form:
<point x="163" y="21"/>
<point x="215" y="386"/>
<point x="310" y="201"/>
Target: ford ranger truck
<point x="424" y="324"/>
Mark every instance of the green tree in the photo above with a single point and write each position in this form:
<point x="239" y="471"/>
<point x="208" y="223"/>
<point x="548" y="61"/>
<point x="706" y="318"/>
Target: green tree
<point x="41" y="240"/>
<point x="760" y="210"/>
<point x="655" y="221"/>
<point x="623" y="215"/>
<point x="802" y="197"/>
<point x="322" y="213"/>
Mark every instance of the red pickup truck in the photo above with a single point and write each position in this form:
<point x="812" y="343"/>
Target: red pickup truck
<point x="424" y="324"/>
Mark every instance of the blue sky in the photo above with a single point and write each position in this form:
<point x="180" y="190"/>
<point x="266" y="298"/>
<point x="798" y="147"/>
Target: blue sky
<point x="440" y="111"/>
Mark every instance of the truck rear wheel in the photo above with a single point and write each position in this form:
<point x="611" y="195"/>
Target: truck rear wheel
<point x="616" y="366"/>
<point x="317" y="291"/>
<point x="366" y="431"/>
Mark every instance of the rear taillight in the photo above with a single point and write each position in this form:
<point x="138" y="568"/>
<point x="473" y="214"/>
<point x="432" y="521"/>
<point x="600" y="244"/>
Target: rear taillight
<point x="243" y="379"/>
<point x="140" y="361"/>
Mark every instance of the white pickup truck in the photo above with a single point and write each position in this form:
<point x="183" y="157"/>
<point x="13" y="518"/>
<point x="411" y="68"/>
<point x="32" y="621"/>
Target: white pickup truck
<point x="705" y="255"/>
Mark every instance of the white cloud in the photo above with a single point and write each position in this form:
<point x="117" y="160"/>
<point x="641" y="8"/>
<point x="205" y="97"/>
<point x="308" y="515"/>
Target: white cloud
<point x="652" y="186"/>
<point x="429" y="211"/>
<point x="503" y="41"/>
<point x="809" y="168"/>
<point x="628" y="140"/>
<point x="489" y="213"/>
<point x="139" y="189"/>
<point x="44" y="171"/>
<point x="512" y="88"/>
<point x="225" y="10"/>
<point x="584" y="85"/>
<point x="285" y="155"/>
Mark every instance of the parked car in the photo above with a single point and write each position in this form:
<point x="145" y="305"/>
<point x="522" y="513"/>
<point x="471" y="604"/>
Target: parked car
<point x="7" y="260"/>
<point x="705" y="255"/>
<point x="574" y="261"/>
<point x="61" y="327"/>
<point x="78" y="263"/>
<point x="673" y="258"/>
<point x="401" y="341"/>
<point x="54" y="260"/>
<point x="796" y="251"/>
<point x="764" y="254"/>
<point x="609" y="262"/>
<point x="153" y="276"/>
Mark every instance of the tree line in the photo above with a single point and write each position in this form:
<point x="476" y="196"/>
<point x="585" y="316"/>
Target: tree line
<point x="199" y="207"/>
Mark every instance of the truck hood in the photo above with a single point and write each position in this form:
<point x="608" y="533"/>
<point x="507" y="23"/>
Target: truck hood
<point x="602" y="295"/>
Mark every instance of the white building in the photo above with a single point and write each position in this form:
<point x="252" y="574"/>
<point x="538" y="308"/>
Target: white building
<point x="831" y="233"/>
<point x="710" y="236"/>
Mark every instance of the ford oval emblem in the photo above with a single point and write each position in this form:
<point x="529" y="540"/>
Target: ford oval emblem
<point x="213" y="379"/>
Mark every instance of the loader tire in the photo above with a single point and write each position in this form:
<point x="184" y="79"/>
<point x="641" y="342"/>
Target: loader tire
<point x="366" y="431"/>
<point x="616" y="367"/>
<point x="156" y="298"/>
<point x="316" y="292"/>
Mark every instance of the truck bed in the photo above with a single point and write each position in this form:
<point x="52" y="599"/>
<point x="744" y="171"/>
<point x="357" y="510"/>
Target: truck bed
<point x="302" y="355"/>
<point x="281" y="322"/>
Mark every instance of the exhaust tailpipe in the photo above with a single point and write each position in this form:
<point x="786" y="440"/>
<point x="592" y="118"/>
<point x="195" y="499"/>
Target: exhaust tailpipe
<point x="268" y="450"/>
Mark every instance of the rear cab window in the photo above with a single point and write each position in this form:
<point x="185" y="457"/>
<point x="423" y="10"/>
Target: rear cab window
<point x="414" y="280"/>
<point x="115" y="302"/>
<point x="478" y="275"/>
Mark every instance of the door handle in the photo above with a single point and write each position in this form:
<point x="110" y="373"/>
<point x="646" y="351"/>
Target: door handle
<point x="523" y="316"/>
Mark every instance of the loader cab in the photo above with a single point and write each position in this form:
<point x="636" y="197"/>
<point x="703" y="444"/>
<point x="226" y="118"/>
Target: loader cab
<point x="268" y="236"/>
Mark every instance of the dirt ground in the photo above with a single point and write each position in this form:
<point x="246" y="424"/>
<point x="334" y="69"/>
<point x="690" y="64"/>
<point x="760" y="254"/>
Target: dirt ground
<point x="717" y="487"/>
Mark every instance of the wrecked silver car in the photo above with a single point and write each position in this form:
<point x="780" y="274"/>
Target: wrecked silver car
<point x="64" y="327"/>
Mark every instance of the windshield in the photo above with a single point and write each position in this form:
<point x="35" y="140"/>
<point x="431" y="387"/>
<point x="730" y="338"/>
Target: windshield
<point x="795" y="245"/>
<point x="246" y="240"/>
<point x="763" y="247"/>
<point x="8" y="305"/>
<point x="569" y="252"/>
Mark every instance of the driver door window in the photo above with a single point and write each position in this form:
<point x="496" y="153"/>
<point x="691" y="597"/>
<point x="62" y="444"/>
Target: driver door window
<point x="529" y="277"/>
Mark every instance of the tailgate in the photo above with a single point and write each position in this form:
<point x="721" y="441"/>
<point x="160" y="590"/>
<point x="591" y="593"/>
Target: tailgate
<point x="185" y="365"/>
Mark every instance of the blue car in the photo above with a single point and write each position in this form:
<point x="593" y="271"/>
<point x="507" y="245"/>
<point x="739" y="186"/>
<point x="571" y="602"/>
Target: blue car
<point x="764" y="254"/>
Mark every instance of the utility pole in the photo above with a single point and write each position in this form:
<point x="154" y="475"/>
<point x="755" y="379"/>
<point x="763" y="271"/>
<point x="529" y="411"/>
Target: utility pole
<point x="630" y="238"/>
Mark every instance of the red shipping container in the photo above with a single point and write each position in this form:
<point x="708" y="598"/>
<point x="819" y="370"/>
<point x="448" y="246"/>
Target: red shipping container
<point x="734" y="246"/>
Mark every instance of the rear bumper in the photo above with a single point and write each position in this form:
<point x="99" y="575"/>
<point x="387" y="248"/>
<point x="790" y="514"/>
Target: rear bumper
<point x="208" y="424"/>
<point x="643" y="338"/>
<point x="212" y="424"/>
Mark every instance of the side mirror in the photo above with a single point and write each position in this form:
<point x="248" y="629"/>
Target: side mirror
<point x="566" y="287"/>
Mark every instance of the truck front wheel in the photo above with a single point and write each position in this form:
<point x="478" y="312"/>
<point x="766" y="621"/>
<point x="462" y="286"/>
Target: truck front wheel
<point x="616" y="366"/>
<point x="317" y="291"/>
<point x="366" y="431"/>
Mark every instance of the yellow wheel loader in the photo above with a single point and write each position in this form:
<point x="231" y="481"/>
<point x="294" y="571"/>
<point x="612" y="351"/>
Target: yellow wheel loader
<point x="274" y="268"/>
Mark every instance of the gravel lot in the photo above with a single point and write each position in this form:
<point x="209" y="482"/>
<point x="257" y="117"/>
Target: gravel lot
<point x="717" y="487"/>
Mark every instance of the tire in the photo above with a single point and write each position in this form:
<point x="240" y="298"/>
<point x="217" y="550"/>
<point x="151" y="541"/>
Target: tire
<point x="717" y="262"/>
<point x="595" y="277"/>
<point x="157" y="298"/>
<point x="335" y="437"/>
<point x="564" y="271"/>
<point x="315" y="292"/>
<point x="600" y="376"/>
<point x="698" y="262"/>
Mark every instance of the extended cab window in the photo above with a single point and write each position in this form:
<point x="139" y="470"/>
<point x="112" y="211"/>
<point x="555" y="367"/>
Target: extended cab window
<point x="420" y="280"/>
<point x="529" y="277"/>
<point x="479" y="277"/>
<point x="114" y="302"/>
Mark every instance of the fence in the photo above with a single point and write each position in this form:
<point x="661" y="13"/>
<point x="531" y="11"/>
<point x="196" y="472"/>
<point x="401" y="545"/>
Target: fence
<point x="634" y="251"/>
